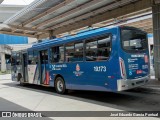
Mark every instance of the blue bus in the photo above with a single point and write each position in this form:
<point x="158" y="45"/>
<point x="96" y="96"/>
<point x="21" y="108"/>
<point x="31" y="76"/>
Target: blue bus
<point x="103" y="59"/>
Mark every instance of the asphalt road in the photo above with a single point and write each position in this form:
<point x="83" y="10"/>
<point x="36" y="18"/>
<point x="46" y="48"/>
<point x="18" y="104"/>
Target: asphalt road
<point x="33" y="97"/>
<point x="138" y="99"/>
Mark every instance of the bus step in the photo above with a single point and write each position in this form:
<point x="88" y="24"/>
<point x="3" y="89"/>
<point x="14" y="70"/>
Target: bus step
<point x="45" y="85"/>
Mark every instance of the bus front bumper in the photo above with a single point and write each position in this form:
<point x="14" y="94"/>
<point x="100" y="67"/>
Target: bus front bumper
<point x="129" y="84"/>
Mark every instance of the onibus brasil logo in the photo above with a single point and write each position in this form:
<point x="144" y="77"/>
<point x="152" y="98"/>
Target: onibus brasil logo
<point x="78" y="72"/>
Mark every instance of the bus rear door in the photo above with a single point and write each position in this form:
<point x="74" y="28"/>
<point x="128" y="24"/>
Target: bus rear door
<point x="13" y="66"/>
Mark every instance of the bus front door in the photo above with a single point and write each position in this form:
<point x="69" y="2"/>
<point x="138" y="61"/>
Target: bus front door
<point x="24" y="67"/>
<point x="43" y="66"/>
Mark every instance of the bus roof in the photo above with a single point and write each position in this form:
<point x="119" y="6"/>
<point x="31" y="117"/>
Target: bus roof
<point x="70" y="38"/>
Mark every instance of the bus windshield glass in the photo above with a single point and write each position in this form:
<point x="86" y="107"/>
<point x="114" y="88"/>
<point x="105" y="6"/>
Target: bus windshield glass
<point x="133" y="39"/>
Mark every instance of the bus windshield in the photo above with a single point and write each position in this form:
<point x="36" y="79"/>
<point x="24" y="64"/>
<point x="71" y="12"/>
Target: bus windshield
<point x="133" y="39"/>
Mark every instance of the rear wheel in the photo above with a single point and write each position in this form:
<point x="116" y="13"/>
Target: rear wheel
<point x="60" y="85"/>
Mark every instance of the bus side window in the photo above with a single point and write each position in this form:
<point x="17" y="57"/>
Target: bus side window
<point x="104" y="48"/>
<point x="91" y="50"/>
<point x="74" y="51"/>
<point x="13" y="60"/>
<point x="30" y="58"/>
<point x="98" y="49"/>
<point x="57" y="54"/>
<point x="78" y="55"/>
<point x="69" y="52"/>
<point x="35" y="57"/>
<point x="18" y="59"/>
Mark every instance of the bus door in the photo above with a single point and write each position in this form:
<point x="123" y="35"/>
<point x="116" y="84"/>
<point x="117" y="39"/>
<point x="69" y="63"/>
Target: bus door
<point x="13" y="66"/>
<point x="24" y="67"/>
<point x="43" y="66"/>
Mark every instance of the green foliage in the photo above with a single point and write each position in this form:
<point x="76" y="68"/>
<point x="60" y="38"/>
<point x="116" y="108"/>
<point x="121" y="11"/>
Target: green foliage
<point x="5" y="72"/>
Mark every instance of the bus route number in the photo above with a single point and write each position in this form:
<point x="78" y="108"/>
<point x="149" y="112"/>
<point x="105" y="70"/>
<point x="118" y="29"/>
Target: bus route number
<point x="100" y="69"/>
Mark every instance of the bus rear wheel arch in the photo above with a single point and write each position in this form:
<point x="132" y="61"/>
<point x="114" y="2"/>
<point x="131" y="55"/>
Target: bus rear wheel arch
<point x="60" y="85"/>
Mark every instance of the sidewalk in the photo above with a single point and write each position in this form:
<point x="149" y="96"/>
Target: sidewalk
<point x="153" y="85"/>
<point x="5" y="77"/>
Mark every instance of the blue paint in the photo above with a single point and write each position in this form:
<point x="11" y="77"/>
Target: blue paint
<point x="10" y="39"/>
<point x="87" y="78"/>
<point x="150" y="35"/>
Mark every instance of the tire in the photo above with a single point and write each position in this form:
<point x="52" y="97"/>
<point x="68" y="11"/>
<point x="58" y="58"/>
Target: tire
<point x="60" y="85"/>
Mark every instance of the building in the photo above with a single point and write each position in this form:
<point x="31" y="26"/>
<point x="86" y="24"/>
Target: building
<point x="10" y="43"/>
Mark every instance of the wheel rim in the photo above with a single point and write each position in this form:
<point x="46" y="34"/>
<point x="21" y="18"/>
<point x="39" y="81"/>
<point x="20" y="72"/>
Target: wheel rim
<point x="60" y="86"/>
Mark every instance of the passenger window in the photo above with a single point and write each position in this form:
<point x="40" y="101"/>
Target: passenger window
<point x="98" y="49"/>
<point x="13" y="59"/>
<point x="91" y="50"/>
<point x="104" y="48"/>
<point x="74" y="52"/>
<point x="30" y="58"/>
<point x="78" y="55"/>
<point x="35" y="53"/>
<point x="18" y="59"/>
<point x="57" y="54"/>
<point x="69" y="52"/>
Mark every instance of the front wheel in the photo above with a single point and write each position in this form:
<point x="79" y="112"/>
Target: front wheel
<point x="60" y="85"/>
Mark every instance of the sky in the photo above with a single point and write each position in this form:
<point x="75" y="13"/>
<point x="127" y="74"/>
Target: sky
<point x="17" y="2"/>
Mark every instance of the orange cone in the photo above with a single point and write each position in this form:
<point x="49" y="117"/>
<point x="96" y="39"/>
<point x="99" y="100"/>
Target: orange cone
<point x="47" y="78"/>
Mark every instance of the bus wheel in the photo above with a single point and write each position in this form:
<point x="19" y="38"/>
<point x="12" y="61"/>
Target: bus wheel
<point x="60" y="85"/>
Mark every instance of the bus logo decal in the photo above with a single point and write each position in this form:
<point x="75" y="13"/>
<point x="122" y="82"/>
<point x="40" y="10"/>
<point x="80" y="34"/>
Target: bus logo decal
<point x="130" y="72"/>
<point x="146" y="59"/>
<point x="78" y="72"/>
<point x="77" y="67"/>
<point x="58" y="67"/>
<point x="53" y="67"/>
